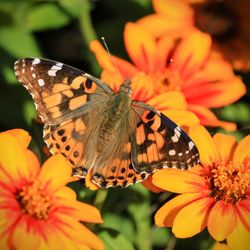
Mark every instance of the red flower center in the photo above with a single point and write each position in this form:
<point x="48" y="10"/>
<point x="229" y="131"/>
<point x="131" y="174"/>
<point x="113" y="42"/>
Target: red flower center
<point x="35" y="201"/>
<point x="230" y="183"/>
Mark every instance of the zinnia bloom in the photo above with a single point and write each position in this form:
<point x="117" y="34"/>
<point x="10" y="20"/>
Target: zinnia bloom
<point x="214" y="194"/>
<point x="226" y="21"/>
<point x="37" y="210"/>
<point x="173" y="77"/>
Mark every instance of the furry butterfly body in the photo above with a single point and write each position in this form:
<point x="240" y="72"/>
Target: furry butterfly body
<point x="117" y="140"/>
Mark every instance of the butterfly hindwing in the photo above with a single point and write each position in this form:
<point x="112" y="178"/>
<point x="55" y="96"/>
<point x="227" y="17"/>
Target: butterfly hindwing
<point x="59" y="90"/>
<point x="157" y="142"/>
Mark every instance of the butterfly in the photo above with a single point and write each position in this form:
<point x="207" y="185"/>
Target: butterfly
<point x="117" y="140"/>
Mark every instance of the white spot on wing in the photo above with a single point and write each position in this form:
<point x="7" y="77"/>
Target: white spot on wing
<point x="40" y="82"/>
<point x="190" y="145"/>
<point x="34" y="75"/>
<point x="54" y="69"/>
<point x="180" y="154"/>
<point x="171" y="152"/>
<point x="36" y="61"/>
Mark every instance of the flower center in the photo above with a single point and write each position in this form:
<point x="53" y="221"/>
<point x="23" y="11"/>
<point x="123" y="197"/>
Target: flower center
<point x="35" y="201"/>
<point x="230" y="183"/>
<point x="167" y="80"/>
<point x="217" y="19"/>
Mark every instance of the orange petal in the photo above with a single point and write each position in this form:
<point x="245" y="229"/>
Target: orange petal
<point x="21" y="135"/>
<point x="191" y="53"/>
<point x="142" y="87"/>
<point x="88" y="182"/>
<point x="239" y="239"/>
<point x="243" y="210"/>
<point x="207" y="118"/>
<point x="24" y="236"/>
<point x="141" y="48"/>
<point x="165" y="216"/>
<point x="205" y="145"/>
<point x="150" y="186"/>
<point x="216" y="94"/>
<point x="183" y="118"/>
<point x="242" y="151"/>
<point x="173" y="8"/>
<point x="75" y="231"/>
<point x="192" y="219"/>
<point x="168" y="100"/>
<point x="221" y="220"/>
<point x="55" y="172"/>
<point x="220" y="246"/>
<point x="13" y="161"/>
<point x="179" y="181"/>
<point x="226" y="145"/>
<point x="103" y="58"/>
<point x="160" y="25"/>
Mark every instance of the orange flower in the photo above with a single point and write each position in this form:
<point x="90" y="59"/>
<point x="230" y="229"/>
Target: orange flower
<point x="173" y="78"/>
<point x="226" y="21"/>
<point x="215" y="194"/>
<point x="37" y="210"/>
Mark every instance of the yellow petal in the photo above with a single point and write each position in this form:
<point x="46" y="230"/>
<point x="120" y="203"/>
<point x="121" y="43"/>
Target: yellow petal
<point x="183" y="118"/>
<point x="239" y="239"/>
<point x="55" y="172"/>
<point x="220" y="246"/>
<point x="88" y="182"/>
<point x="226" y="145"/>
<point x="179" y="181"/>
<point x="242" y="151"/>
<point x="192" y="219"/>
<point x="141" y="47"/>
<point x="221" y="220"/>
<point x="24" y="237"/>
<point x="13" y="161"/>
<point x="21" y="135"/>
<point x="79" y="233"/>
<point x="165" y="216"/>
<point x="87" y="213"/>
<point x="205" y="145"/>
<point x="66" y="193"/>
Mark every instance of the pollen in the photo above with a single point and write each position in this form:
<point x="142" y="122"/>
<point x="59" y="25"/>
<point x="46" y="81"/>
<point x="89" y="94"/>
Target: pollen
<point x="229" y="182"/>
<point x="35" y="201"/>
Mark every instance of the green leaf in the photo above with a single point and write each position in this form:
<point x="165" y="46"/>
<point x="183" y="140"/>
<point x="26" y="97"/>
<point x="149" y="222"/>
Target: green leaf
<point x="140" y="211"/>
<point x="120" y="224"/>
<point x="113" y="241"/>
<point x="9" y="75"/>
<point x="18" y="43"/>
<point x="160" y="236"/>
<point x="29" y="111"/>
<point x="46" y="16"/>
<point x="71" y="6"/>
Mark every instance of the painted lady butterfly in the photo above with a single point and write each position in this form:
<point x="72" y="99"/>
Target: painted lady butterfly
<point x="120" y="140"/>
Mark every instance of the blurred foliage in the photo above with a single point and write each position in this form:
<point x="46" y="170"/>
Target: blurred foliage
<point x="61" y="30"/>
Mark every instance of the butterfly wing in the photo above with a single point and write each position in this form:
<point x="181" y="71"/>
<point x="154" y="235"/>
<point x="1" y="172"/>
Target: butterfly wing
<point x="157" y="142"/>
<point x="59" y="90"/>
<point x="68" y="101"/>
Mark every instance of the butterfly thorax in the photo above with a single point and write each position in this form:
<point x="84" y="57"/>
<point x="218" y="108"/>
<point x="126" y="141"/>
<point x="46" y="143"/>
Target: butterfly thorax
<point x="114" y="116"/>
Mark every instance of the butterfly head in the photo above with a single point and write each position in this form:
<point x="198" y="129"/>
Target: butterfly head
<point x="125" y="88"/>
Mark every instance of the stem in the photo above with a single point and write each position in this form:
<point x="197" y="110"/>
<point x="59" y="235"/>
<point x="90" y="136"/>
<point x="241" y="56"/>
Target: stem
<point x="171" y="244"/>
<point x="88" y="31"/>
<point x="100" y="198"/>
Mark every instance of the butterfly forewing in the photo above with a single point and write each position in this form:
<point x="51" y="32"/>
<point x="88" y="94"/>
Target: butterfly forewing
<point x="58" y="89"/>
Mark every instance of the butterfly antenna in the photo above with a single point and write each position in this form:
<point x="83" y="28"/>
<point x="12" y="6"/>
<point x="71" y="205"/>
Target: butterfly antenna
<point x="107" y="49"/>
